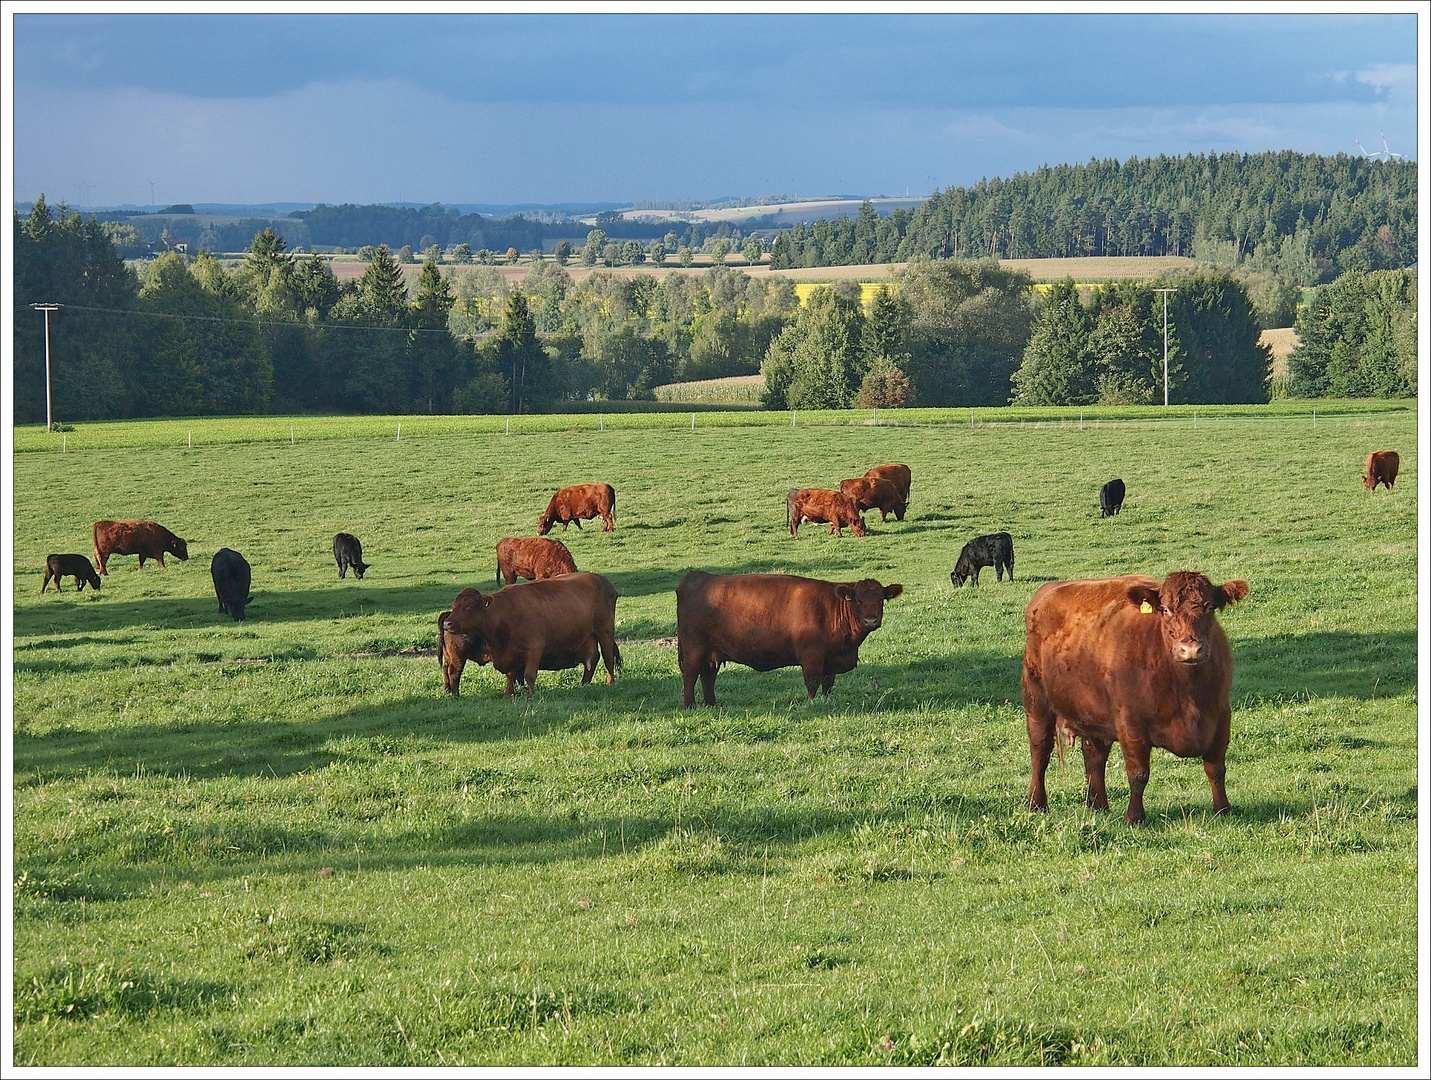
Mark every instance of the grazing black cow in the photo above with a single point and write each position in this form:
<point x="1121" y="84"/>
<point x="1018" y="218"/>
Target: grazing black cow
<point x="995" y="549"/>
<point x="349" y="552"/>
<point x="1110" y="497"/>
<point x="75" y="566"/>
<point x="232" y="577"/>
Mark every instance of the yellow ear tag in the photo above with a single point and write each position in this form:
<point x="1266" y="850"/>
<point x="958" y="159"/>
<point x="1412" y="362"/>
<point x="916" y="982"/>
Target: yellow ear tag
<point x="1147" y="608"/>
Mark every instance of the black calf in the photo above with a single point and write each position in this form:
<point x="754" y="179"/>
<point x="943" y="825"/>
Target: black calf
<point x="349" y="552"/>
<point x="232" y="578"/>
<point x="75" y="566"/>
<point x="996" y="550"/>
<point x="1110" y="497"/>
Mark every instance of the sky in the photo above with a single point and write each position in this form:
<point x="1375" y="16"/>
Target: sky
<point x="153" y="109"/>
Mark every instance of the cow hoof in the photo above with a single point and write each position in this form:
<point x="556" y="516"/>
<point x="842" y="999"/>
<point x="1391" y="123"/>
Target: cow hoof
<point x="1041" y="808"/>
<point x="1223" y="812"/>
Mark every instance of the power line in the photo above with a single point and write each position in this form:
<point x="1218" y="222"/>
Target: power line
<point x="254" y="322"/>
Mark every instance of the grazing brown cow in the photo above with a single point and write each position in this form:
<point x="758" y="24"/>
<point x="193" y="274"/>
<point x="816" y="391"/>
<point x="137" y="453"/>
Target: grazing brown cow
<point x="876" y="493"/>
<point x="1131" y="661"/>
<point x="549" y="625"/>
<point x="581" y="501"/>
<point x="533" y="558"/>
<point x="1381" y="468"/>
<point x="898" y="475"/>
<point x="821" y="505"/>
<point x="142" y="538"/>
<point x="769" y="621"/>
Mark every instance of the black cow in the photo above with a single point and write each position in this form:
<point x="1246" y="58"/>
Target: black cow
<point x="1110" y="497"/>
<point x="349" y="552"/>
<point x="995" y="549"/>
<point x="232" y="578"/>
<point x="75" y="566"/>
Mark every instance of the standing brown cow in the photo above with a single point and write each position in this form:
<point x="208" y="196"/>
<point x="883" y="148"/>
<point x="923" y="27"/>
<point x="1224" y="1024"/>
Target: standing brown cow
<point x="578" y="502"/>
<point x="821" y="505"/>
<point x="549" y="625"/>
<point x="876" y="493"/>
<point x="1131" y="661"/>
<point x="142" y="538"/>
<point x="533" y="558"/>
<point x="769" y="621"/>
<point x="1381" y="468"/>
<point x="898" y="475"/>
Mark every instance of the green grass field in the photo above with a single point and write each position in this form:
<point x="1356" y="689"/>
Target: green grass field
<point x="279" y="843"/>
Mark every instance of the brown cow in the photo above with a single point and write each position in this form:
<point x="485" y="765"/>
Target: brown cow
<point x="1381" y="468"/>
<point x="1131" y="661"/>
<point x="142" y="538"/>
<point x="821" y="505"/>
<point x="549" y="625"/>
<point x="898" y="475"/>
<point x="580" y="501"/>
<point x="769" y="621"/>
<point x="533" y="558"/>
<point x="876" y="493"/>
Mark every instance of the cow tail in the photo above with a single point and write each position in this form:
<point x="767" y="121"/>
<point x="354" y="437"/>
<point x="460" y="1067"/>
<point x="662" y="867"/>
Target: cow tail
<point x="499" y="573"/>
<point x="616" y="653"/>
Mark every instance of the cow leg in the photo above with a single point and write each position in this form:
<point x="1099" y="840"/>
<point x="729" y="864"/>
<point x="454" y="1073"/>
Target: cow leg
<point x="1041" y="728"/>
<point x="828" y="684"/>
<point x="1095" y="765"/>
<point x="976" y="574"/>
<point x="708" y="674"/>
<point x="881" y="514"/>
<point x="609" y="654"/>
<point x="160" y="560"/>
<point x="511" y="682"/>
<point x="588" y="670"/>
<point x="689" y="671"/>
<point x="574" y="521"/>
<point x="141" y="562"/>
<point x="530" y="675"/>
<point x="1135" y="764"/>
<point x="44" y="584"/>
<point x="342" y="570"/>
<point x="1214" y="763"/>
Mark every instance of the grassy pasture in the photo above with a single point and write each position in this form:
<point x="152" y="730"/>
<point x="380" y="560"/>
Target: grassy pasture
<point x="278" y="843"/>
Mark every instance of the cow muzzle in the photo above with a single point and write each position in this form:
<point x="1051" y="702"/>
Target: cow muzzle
<point x="1189" y="652"/>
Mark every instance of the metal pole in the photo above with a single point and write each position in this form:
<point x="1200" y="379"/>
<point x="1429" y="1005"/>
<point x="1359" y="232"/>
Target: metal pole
<point x="1165" y="341"/>
<point x="47" y="308"/>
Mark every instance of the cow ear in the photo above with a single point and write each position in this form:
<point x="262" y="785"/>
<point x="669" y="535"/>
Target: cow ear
<point x="487" y="600"/>
<point x="1144" y="598"/>
<point x="844" y="592"/>
<point x="442" y="621"/>
<point x="891" y="591"/>
<point x="1232" y="592"/>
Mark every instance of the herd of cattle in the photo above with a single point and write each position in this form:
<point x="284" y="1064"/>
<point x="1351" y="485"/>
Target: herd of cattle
<point x="1129" y="659"/>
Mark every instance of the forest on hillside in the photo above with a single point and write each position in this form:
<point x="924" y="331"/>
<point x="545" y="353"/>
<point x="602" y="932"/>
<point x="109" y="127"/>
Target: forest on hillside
<point x="188" y="335"/>
<point x="1307" y="217"/>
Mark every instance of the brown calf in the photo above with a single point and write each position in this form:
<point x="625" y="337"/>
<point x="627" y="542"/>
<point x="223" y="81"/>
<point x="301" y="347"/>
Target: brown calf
<point x="533" y="558"/>
<point x="1381" y="468"/>
<point x="143" y="538"/>
<point x="578" y="502"/>
<point x="821" y="505"/>
<point x="876" y="493"/>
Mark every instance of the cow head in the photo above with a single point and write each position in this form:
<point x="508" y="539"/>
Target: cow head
<point x="1185" y="604"/>
<point x="864" y="600"/>
<point x="359" y="568"/>
<point x="544" y="524"/>
<point x="454" y="649"/>
<point x="179" y="547"/>
<point x="963" y="571"/>
<point x="858" y="528"/>
<point x="236" y="607"/>
<point x="1369" y="479"/>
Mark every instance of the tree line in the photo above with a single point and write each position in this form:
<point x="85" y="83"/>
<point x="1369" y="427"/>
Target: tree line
<point x="279" y="333"/>
<point x="1307" y="217"/>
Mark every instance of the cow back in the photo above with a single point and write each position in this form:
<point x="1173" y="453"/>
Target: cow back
<point x="898" y="475"/>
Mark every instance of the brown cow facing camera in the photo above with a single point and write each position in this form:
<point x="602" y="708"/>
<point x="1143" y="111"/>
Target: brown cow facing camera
<point x="898" y="475"/>
<point x="876" y="493"/>
<point x="820" y="505"/>
<point x="146" y="539"/>
<point x="548" y="625"/>
<point x="1132" y="661"/>
<point x="578" y="502"/>
<point x="769" y="621"/>
<point x="533" y="558"/>
<point x="1381" y="468"/>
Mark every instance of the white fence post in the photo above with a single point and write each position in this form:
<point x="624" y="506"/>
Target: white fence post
<point x="191" y="440"/>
